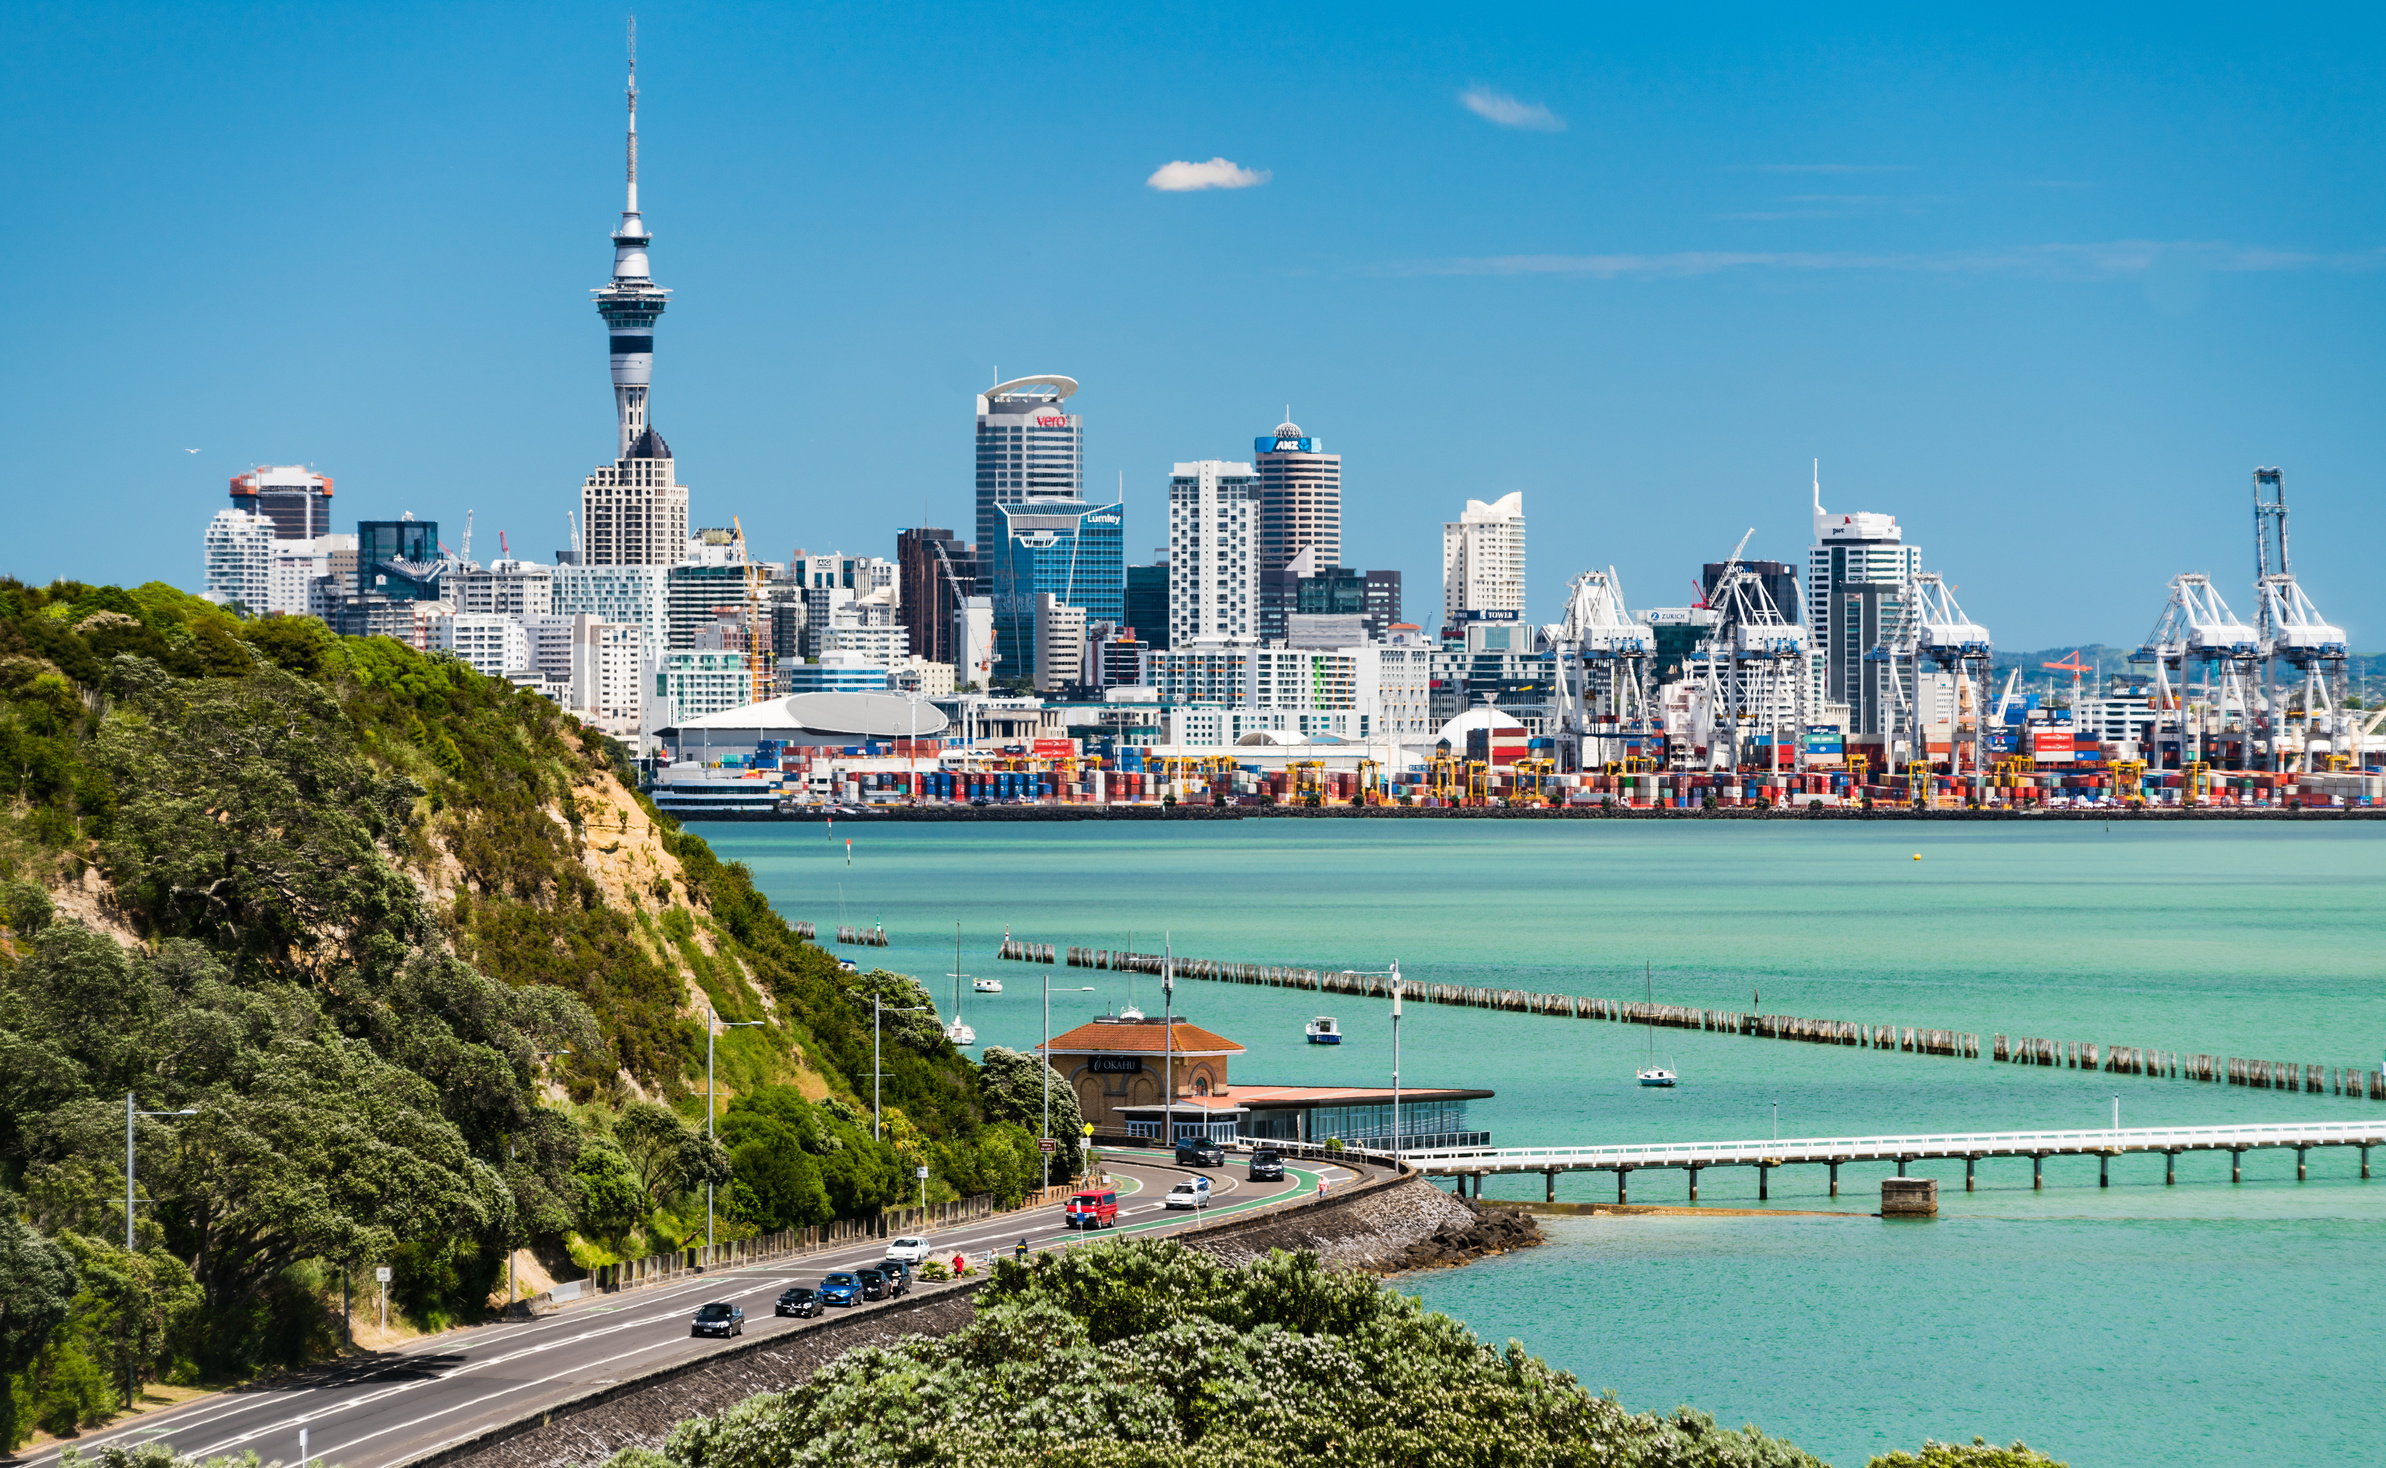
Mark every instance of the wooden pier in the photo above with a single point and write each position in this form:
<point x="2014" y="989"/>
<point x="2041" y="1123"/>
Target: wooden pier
<point x="1477" y="1163"/>
<point x="871" y="937"/>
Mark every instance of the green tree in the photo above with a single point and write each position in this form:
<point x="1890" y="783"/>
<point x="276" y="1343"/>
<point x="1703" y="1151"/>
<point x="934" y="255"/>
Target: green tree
<point x="1978" y="1453"/>
<point x="1014" y="1086"/>
<point x="668" y="1156"/>
<point x="37" y="1284"/>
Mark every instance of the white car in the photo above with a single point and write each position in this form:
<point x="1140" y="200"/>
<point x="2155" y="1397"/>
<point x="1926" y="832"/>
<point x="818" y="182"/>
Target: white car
<point x="1192" y="1193"/>
<point x="908" y="1251"/>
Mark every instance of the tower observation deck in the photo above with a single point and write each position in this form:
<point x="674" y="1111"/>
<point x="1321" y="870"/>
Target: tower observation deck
<point x="631" y="301"/>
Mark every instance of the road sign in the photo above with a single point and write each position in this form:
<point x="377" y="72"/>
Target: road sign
<point x="921" y="1170"/>
<point x="382" y="1274"/>
<point x="1089" y="1128"/>
<point x="1046" y="1144"/>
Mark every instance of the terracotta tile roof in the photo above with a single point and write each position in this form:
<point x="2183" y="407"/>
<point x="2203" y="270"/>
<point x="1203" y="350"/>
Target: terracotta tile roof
<point x="1105" y="1038"/>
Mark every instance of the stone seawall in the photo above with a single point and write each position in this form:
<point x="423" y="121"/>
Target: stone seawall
<point x="1383" y="1227"/>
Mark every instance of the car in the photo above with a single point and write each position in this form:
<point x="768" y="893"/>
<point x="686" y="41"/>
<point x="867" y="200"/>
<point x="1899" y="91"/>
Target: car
<point x="898" y="1277"/>
<point x="1267" y="1167"/>
<point x="840" y="1289"/>
<point x="1092" y="1208"/>
<point x="1193" y="1192"/>
<point x="911" y="1250"/>
<point x="873" y="1283"/>
<point x="798" y="1302"/>
<point x="1199" y="1152"/>
<point x="718" y="1318"/>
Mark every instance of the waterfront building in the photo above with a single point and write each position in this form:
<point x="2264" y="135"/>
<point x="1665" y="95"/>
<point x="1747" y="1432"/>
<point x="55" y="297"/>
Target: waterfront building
<point x="295" y="498"/>
<point x="1147" y="599"/>
<point x="935" y="571"/>
<point x="1217" y="691"/>
<point x="237" y="554"/>
<point x="1028" y="447"/>
<point x="690" y="684"/>
<point x="495" y="645"/>
<point x="1300" y="497"/>
<point x="1068" y="549"/>
<point x="1859" y="578"/>
<point x="1483" y="559"/>
<point x="837" y="671"/>
<point x="1495" y="659"/>
<point x="1213" y="554"/>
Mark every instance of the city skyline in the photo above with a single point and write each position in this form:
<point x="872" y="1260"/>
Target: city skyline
<point x="2069" y="488"/>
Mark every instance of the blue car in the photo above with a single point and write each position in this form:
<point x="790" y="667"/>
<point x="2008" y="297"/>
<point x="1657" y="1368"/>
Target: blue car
<point x="840" y="1289"/>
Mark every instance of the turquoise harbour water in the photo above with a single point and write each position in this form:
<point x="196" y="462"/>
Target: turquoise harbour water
<point x="2132" y="1325"/>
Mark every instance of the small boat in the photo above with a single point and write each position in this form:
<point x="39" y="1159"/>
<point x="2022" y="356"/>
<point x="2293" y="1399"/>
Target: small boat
<point x="986" y="986"/>
<point x="960" y="1034"/>
<point x="957" y="1032"/>
<point x="1324" y="1031"/>
<point x="1131" y="1015"/>
<point x="1654" y="1074"/>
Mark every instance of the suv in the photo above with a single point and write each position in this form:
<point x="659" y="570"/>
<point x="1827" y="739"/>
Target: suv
<point x="873" y="1283"/>
<point x="718" y="1318"/>
<point x="1199" y="1152"/>
<point x="840" y="1289"/>
<point x="798" y="1302"/>
<point x="1092" y="1208"/>
<point x="1267" y="1167"/>
<point x="1193" y="1192"/>
<point x="911" y="1250"/>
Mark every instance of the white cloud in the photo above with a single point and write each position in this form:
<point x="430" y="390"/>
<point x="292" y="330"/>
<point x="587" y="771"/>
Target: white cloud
<point x="1493" y="105"/>
<point x="2060" y="261"/>
<point x="1181" y="177"/>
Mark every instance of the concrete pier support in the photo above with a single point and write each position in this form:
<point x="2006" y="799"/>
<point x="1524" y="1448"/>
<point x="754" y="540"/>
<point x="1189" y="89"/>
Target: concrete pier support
<point x="1764" y="1176"/>
<point x="1968" y="1164"/>
<point x="2170" y="1169"/>
<point x="2104" y="1169"/>
<point x="1901" y="1167"/>
<point x="1550" y="1180"/>
<point x="2037" y="1171"/>
<point x="2236" y="1166"/>
<point x="1834" y="1179"/>
<point x="1621" y="1172"/>
<point x="2299" y="1172"/>
<point x="2365" y="1162"/>
<point x="1693" y="1184"/>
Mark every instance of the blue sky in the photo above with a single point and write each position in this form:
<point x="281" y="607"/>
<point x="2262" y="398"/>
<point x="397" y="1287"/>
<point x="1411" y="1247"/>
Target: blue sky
<point x="2047" y="291"/>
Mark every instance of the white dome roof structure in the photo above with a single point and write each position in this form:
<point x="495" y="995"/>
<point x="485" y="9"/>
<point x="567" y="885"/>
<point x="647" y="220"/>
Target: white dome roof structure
<point x="1481" y="717"/>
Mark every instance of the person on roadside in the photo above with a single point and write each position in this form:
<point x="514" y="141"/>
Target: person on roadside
<point x="1020" y="1253"/>
<point x="960" y="1265"/>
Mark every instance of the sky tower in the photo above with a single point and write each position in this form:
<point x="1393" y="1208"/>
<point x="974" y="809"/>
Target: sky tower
<point x="631" y="301"/>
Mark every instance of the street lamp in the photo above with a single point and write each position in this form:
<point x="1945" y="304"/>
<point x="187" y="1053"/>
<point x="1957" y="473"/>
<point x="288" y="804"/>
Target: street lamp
<point x="1045" y="1136"/>
<point x="712" y="1020"/>
<point x="1394" y="971"/>
<point x="512" y="1291"/>
<point x="876" y="1070"/>
<point x="129" y="1114"/>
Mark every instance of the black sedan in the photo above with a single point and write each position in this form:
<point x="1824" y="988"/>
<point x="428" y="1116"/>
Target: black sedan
<point x="898" y="1277"/>
<point x="718" y="1318"/>
<point x="799" y="1302"/>
<point x="1267" y="1167"/>
<point x="840" y="1289"/>
<point x="873" y="1283"/>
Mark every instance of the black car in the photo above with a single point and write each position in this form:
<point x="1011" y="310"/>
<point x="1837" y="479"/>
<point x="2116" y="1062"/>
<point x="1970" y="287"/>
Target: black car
<point x="718" y="1318"/>
<point x="840" y="1289"/>
<point x="1267" y="1167"/>
<point x="898" y="1277"/>
<point x="799" y="1302"/>
<point x="1200" y="1152"/>
<point x="873" y="1283"/>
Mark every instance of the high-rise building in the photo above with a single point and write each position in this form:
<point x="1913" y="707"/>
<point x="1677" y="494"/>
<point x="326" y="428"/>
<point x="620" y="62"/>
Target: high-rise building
<point x="1060" y="644"/>
<point x="295" y="498"/>
<point x="1064" y="548"/>
<point x="1859" y="579"/>
<point x="238" y="556"/>
<point x="609" y="660"/>
<point x="1029" y="447"/>
<point x="1778" y="578"/>
<point x="1213" y="551"/>
<point x="696" y="593"/>
<point x="936" y="571"/>
<point x="494" y="645"/>
<point x="400" y="559"/>
<point x="1300" y="497"/>
<point x="509" y="588"/>
<point x="631" y="303"/>
<point x="1483" y="559"/>
<point x="1147" y="600"/>
<point x="1306" y="586"/>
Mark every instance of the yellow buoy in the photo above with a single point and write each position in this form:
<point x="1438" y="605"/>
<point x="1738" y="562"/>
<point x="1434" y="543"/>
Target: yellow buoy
<point x="1917" y="856"/>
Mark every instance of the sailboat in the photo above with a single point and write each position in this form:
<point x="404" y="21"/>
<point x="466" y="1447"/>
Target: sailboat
<point x="1653" y="1074"/>
<point x="957" y="1032"/>
<point x="1131" y="1012"/>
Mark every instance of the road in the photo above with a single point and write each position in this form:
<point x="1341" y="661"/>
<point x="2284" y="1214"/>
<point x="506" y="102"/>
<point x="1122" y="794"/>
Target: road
<point x="380" y="1410"/>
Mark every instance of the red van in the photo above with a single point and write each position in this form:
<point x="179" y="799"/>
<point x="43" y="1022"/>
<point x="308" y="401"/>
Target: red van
<point x="1093" y="1208"/>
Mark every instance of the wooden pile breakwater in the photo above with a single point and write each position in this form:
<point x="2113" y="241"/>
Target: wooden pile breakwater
<point x="870" y="937"/>
<point x="806" y="930"/>
<point x="2130" y="1060"/>
<point x="1024" y="952"/>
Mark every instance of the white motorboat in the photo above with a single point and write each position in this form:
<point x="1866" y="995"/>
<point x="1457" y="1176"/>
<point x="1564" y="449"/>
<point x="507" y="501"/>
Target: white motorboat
<point x="986" y="986"/>
<point x="1324" y="1031"/>
<point x="1653" y="1074"/>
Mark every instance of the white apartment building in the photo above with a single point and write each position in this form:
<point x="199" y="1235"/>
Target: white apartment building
<point x="637" y="595"/>
<point x="296" y="566"/>
<point x="609" y="660"/>
<point x="550" y="641"/>
<point x="1483" y="558"/>
<point x="238" y="559"/>
<point x="693" y="684"/>
<point x="973" y="641"/>
<point x="1292" y="690"/>
<point x="1398" y="671"/>
<point x="1060" y="643"/>
<point x="632" y="511"/>
<point x="494" y="645"/>
<point x="1213" y="551"/>
<point x="508" y="588"/>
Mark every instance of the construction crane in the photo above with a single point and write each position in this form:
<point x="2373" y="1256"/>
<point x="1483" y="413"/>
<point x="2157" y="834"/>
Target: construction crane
<point x="1751" y="652"/>
<point x="2197" y="628"/>
<point x="1598" y="632"/>
<point x="2292" y="631"/>
<point x="465" y="555"/>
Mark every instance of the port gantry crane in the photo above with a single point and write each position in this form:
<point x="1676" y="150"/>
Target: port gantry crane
<point x="1599" y="632"/>
<point x="1750" y="653"/>
<point x="2197" y="628"/>
<point x="2289" y="629"/>
<point x="1933" y="627"/>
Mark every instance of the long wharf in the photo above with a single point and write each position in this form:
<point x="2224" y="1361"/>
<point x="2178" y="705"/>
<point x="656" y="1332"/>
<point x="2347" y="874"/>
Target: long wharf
<point x="1972" y="1147"/>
